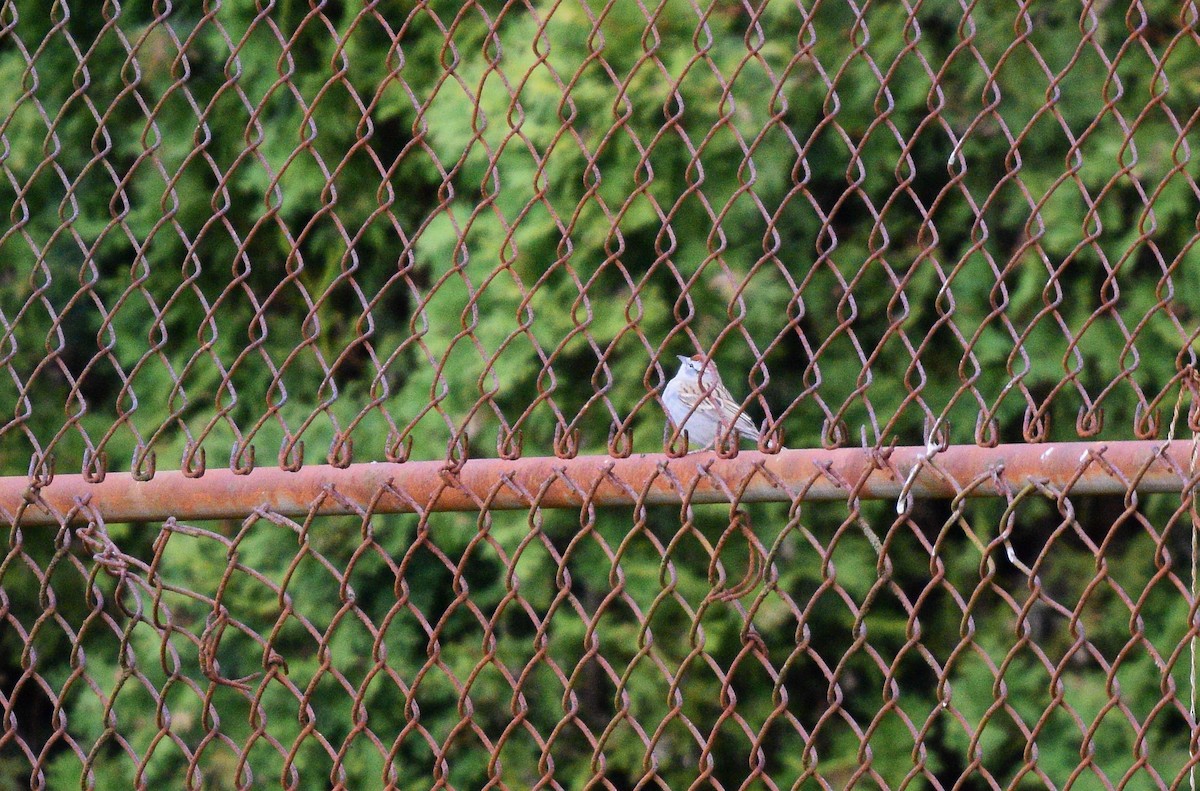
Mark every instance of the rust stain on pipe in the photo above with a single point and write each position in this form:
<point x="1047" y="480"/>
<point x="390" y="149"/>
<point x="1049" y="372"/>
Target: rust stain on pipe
<point x="1086" y="467"/>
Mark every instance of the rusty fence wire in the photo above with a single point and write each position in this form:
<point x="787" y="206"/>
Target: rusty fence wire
<point x="334" y="337"/>
<point x="1010" y="635"/>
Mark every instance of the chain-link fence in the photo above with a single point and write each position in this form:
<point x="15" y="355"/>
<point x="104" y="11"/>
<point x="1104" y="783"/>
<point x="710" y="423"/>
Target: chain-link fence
<point x="335" y="340"/>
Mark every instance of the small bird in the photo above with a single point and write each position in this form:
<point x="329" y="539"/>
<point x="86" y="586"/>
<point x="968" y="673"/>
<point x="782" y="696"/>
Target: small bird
<point x="697" y="400"/>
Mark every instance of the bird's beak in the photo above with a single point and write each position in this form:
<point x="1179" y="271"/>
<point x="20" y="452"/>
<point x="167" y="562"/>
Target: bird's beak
<point x="682" y="359"/>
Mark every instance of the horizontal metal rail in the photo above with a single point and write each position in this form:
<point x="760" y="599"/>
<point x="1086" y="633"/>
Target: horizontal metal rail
<point x="548" y="482"/>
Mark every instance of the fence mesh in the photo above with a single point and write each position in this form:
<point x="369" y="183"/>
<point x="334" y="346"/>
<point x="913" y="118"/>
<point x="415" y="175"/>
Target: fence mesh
<point x="1024" y="640"/>
<point x="245" y="235"/>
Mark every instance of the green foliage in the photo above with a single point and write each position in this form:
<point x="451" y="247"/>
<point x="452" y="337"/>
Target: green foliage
<point x="232" y="232"/>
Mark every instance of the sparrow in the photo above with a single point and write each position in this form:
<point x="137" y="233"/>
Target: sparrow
<point x="697" y="401"/>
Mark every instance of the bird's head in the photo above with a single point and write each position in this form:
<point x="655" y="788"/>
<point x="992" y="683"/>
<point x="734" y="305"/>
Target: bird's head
<point x="693" y="367"/>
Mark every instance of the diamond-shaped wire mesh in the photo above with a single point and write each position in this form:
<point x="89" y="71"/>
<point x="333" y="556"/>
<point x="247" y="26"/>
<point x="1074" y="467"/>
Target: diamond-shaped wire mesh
<point x="761" y="645"/>
<point x="246" y="235"/>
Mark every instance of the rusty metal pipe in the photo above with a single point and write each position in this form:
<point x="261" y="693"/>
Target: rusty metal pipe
<point x="1079" y="467"/>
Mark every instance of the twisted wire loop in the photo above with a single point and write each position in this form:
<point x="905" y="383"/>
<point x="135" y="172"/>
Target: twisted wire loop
<point x="333" y="340"/>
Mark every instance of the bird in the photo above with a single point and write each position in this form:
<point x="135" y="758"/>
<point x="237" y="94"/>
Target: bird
<point x="698" y="402"/>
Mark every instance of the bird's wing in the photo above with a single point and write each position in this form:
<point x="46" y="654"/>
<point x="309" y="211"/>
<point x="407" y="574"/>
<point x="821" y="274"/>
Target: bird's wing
<point x="687" y="397"/>
<point x="722" y="404"/>
<point x="746" y="427"/>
